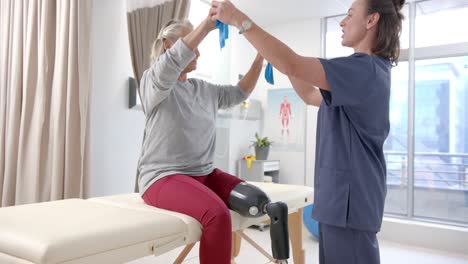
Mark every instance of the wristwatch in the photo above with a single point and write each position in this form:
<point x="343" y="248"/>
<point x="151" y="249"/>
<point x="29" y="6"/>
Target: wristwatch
<point x="245" y="25"/>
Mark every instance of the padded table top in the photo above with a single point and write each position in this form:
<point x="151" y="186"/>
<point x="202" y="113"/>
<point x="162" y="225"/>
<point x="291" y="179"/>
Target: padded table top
<point x="66" y="230"/>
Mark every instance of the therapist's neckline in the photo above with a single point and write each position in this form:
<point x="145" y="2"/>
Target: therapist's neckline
<point x="370" y="55"/>
<point x="362" y="52"/>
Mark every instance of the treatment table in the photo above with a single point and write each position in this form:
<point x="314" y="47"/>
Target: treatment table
<point x="121" y="228"/>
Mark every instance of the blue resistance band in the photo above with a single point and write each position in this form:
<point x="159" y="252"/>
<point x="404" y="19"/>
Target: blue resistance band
<point x="269" y="74"/>
<point x="223" y="33"/>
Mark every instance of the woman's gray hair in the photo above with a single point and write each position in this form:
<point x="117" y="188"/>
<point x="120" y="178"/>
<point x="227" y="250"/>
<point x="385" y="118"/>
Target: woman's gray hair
<point x="173" y="31"/>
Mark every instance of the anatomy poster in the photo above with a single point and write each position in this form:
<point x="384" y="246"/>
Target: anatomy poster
<point x="285" y="120"/>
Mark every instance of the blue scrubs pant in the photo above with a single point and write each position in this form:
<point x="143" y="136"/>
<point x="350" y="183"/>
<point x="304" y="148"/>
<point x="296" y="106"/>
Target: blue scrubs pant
<point x="338" y="245"/>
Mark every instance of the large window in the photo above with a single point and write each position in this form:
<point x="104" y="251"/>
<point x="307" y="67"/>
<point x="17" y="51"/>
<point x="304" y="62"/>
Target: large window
<point x="396" y="146"/>
<point x="427" y="148"/>
<point x="440" y="139"/>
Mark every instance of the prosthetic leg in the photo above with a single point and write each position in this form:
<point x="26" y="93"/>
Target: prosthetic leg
<point x="249" y="201"/>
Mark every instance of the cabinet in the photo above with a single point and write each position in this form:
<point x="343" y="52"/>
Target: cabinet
<point x="259" y="169"/>
<point x="233" y="139"/>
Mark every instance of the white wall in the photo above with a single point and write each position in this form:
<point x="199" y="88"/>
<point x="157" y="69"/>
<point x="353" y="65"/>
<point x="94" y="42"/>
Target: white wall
<point x="115" y="131"/>
<point x="304" y="38"/>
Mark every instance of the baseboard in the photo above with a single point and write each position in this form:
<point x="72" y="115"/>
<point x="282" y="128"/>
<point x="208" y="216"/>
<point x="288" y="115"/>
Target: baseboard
<point x="433" y="236"/>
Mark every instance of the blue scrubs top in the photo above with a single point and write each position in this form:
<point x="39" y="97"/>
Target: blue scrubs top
<point x="353" y="123"/>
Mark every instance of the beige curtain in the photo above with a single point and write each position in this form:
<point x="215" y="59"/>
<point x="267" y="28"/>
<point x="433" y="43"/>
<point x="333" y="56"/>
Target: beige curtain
<point x="45" y="80"/>
<point x="145" y="18"/>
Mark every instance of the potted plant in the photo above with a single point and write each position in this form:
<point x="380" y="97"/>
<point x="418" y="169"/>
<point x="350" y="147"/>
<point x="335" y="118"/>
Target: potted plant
<point x="262" y="147"/>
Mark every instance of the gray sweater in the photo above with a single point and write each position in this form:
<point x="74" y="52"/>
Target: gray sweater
<point x="180" y="118"/>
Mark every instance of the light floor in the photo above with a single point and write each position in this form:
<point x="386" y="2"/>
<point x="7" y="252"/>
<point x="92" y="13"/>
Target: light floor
<point x="391" y="253"/>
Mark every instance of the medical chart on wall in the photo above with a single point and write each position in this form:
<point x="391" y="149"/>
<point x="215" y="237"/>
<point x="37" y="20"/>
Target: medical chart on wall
<point x="285" y="120"/>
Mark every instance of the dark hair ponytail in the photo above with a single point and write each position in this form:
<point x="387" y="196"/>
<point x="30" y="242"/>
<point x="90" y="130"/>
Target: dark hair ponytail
<point x="387" y="42"/>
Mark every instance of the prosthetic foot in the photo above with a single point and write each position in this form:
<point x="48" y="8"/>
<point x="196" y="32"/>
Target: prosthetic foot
<point x="249" y="201"/>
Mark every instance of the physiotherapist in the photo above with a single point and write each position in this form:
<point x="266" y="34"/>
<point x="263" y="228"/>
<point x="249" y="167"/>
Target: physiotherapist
<point x="353" y="94"/>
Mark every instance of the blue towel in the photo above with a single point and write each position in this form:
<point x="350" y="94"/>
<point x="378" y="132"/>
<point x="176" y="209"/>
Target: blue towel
<point x="269" y="74"/>
<point x="223" y="33"/>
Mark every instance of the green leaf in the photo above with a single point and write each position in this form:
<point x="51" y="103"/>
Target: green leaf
<point x="261" y="142"/>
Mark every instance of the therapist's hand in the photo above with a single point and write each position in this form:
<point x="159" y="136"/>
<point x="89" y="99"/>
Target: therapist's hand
<point x="226" y="12"/>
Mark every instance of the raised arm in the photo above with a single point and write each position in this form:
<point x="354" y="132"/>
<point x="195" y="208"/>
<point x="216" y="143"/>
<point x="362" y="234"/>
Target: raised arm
<point x="172" y="62"/>
<point x="283" y="58"/>
<point x="308" y="93"/>
<point x="194" y="38"/>
<point x="229" y="95"/>
<point x="177" y="53"/>
<point x="251" y="77"/>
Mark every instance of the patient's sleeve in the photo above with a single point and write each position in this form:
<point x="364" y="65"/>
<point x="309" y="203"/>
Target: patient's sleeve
<point x="229" y="95"/>
<point x="157" y="81"/>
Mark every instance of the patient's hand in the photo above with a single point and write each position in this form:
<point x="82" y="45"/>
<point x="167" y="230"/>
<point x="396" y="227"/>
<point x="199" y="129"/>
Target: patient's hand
<point x="208" y="24"/>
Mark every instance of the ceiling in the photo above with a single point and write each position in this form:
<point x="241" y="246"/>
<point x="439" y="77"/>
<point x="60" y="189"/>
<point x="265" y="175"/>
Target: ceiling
<point x="272" y="12"/>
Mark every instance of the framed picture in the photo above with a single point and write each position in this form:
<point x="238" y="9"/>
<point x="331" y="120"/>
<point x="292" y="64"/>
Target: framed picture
<point x="285" y="120"/>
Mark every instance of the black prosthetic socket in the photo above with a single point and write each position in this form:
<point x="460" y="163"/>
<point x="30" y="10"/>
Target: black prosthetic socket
<point x="250" y="201"/>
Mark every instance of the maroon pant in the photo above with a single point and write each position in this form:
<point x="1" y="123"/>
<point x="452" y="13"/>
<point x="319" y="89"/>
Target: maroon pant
<point x="204" y="198"/>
